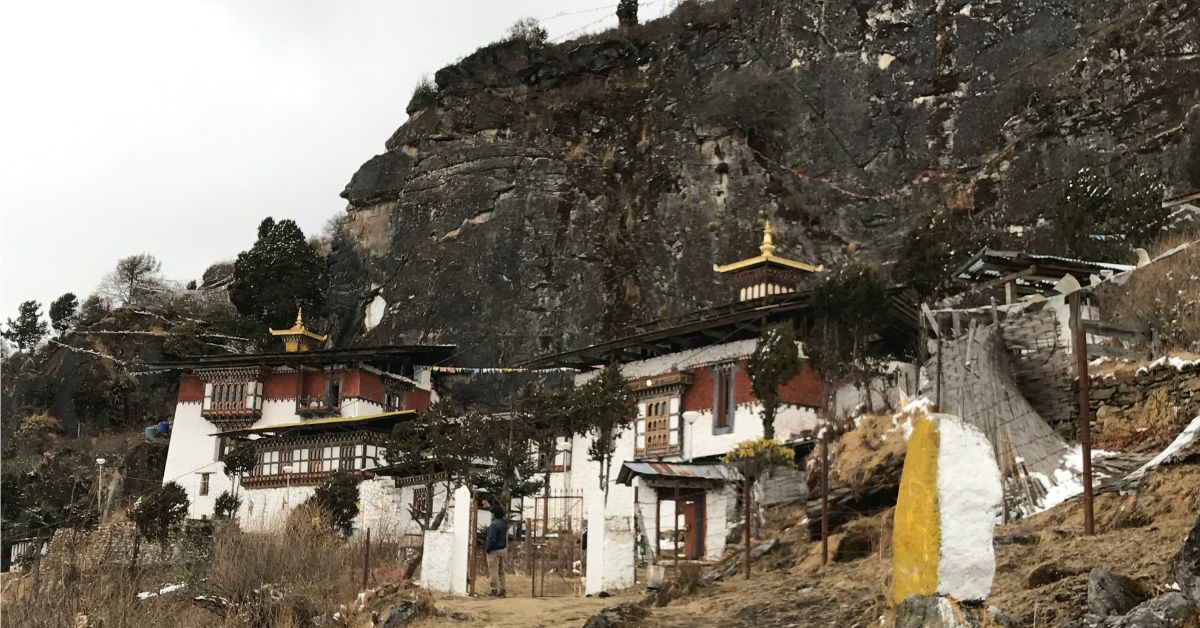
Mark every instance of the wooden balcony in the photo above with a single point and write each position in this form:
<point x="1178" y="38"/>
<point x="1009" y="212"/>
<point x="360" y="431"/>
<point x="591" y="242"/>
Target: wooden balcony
<point x="318" y="406"/>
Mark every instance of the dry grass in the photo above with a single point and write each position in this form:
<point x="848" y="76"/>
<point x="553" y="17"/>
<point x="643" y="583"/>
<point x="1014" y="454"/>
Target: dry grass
<point x="1162" y="296"/>
<point x="286" y="578"/>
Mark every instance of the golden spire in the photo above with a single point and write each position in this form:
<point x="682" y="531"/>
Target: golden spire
<point x="767" y="256"/>
<point x="767" y="247"/>
<point x="298" y="338"/>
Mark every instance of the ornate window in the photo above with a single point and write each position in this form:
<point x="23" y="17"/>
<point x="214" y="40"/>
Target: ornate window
<point x="233" y="398"/>
<point x="657" y="427"/>
<point x="309" y="460"/>
<point x="421" y="504"/>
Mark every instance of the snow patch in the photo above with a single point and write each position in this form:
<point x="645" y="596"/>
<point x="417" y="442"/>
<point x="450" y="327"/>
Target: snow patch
<point x="166" y="588"/>
<point x="373" y="314"/>
<point x="885" y="60"/>
<point x="1181" y="442"/>
<point x="1067" y="481"/>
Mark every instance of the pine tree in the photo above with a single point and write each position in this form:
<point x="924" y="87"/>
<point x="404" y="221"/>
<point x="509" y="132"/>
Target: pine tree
<point x="775" y="361"/>
<point x="157" y="514"/>
<point x="627" y="13"/>
<point x="29" y="328"/>
<point x="280" y="273"/>
<point x="1103" y="217"/>
<point x="62" y="312"/>
<point x="338" y="498"/>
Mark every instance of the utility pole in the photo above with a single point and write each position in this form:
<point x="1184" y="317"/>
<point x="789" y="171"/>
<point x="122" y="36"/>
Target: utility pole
<point x="1079" y="340"/>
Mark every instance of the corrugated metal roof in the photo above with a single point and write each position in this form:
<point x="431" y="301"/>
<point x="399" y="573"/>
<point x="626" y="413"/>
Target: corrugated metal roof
<point x="704" y="471"/>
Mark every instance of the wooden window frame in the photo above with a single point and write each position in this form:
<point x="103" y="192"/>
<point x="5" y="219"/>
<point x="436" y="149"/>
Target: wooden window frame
<point x="724" y="397"/>
<point x="654" y="429"/>
<point x="204" y="483"/>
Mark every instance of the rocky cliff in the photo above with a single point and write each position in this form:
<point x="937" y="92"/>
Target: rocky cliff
<point x="546" y="196"/>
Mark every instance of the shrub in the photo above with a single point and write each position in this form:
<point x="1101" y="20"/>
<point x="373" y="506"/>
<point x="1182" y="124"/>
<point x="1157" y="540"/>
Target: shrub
<point x="424" y="95"/>
<point x="158" y="514"/>
<point x="529" y="29"/>
<point x="338" y="498"/>
<point x="226" y="505"/>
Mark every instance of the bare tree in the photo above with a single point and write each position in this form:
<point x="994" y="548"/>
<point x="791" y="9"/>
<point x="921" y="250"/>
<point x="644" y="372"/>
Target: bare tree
<point x="134" y="277"/>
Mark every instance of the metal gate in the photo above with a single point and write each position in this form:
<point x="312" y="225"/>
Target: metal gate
<point x="554" y="548"/>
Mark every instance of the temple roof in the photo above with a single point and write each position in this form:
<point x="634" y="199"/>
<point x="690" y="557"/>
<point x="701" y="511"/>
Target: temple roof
<point x="767" y="257"/>
<point x="299" y="329"/>
<point x="382" y="421"/>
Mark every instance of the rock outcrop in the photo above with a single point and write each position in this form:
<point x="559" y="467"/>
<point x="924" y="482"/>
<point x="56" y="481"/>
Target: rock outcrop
<point x="543" y="197"/>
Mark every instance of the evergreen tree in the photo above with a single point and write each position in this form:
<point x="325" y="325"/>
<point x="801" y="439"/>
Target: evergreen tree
<point x="29" y="328"/>
<point x="512" y="469"/>
<point x="226" y="505"/>
<point x="848" y="313"/>
<point x="609" y="406"/>
<point x="280" y="273"/>
<point x="160" y="512"/>
<point x="775" y="361"/>
<point x="239" y="461"/>
<point x="62" y="312"/>
<point x="338" y="498"/>
<point x="1101" y="217"/>
<point x="627" y="13"/>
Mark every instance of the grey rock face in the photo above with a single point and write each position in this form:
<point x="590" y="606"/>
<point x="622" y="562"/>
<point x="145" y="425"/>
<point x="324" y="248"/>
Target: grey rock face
<point x="1185" y="566"/>
<point x="548" y="197"/>
<point x="1170" y="610"/>
<point x="1112" y="594"/>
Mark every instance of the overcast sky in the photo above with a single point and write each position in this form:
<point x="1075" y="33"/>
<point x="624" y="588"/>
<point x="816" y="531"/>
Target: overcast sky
<point x="174" y="127"/>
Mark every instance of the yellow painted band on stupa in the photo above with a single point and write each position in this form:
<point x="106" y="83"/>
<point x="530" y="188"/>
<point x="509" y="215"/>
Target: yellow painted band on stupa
<point x="916" y="534"/>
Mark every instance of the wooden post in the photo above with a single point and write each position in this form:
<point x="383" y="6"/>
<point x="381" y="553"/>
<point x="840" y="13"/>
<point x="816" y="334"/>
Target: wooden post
<point x="675" y="532"/>
<point x="366" y="560"/>
<point x="746" y="503"/>
<point x="1085" y="419"/>
<point x="1010" y="293"/>
<point x="825" y="495"/>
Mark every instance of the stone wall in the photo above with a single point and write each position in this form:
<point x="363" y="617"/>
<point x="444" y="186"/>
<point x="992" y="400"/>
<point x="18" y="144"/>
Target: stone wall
<point x="1144" y="408"/>
<point x="115" y="544"/>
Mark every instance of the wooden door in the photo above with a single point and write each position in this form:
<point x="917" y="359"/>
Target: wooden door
<point x="693" y="528"/>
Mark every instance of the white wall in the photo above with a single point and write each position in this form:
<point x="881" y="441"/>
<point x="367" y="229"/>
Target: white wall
<point x="193" y="451"/>
<point x="611" y="565"/>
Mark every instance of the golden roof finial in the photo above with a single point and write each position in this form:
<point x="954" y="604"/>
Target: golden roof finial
<point x="293" y="336"/>
<point x="767" y="247"/>
<point x="767" y="256"/>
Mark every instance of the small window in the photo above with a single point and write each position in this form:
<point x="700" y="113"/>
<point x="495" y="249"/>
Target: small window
<point x="420" y="508"/>
<point x="315" y="462"/>
<point x="204" y="483"/>
<point x="346" y="458"/>
<point x="723" y="396"/>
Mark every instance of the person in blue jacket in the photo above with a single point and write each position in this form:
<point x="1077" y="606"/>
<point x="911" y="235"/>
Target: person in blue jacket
<point x="496" y="550"/>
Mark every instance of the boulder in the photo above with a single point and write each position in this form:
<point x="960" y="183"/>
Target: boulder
<point x="402" y="613"/>
<point x="1185" y="566"/>
<point x="1170" y="610"/>
<point x="1112" y="594"/>
<point x="930" y="611"/>
<point x="626" y="615"/>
